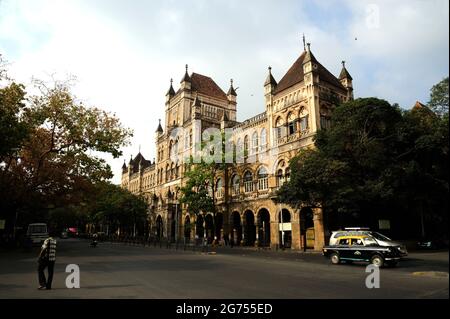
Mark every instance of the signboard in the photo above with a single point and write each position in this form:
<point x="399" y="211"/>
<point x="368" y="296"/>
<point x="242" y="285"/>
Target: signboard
<point x="285" y="226"/>
<point x="2" y="224"/>
<point x="384" y="224"/>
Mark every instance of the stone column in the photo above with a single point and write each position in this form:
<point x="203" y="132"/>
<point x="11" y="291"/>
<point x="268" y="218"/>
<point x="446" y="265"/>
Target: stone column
<point x="295" y="234"/>
<point x="319" y="234"/>
<point x="274" y="234"/>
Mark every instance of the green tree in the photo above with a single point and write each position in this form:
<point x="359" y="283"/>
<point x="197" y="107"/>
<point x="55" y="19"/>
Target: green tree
<point x="439" y="97"/>
<point x="117" y="208"/>
<point x="57" y="163"/>
<point x="375" y="158"/>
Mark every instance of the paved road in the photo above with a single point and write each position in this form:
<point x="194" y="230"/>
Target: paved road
<point x="119" y="271"/>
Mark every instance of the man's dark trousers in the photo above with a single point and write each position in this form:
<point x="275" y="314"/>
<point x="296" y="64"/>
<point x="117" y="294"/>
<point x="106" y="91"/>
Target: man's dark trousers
<point x="42" y="265"/>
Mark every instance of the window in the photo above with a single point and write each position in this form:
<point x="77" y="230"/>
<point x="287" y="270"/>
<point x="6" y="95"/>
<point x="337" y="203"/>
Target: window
<point x="280" y="178"/>
<point x="263" y="179"/>
<point x="292" y="124"/>
<point x="248" y="182"/>
<point x="219" y="188"/>
<point x="245" y="146"/>
<point x="357" y="242"/>
<point x="235" y="182"/>
<point x="344" y="241"/>
<point x="287" y="174"/>
<point x="304" y="123"/>
<point x="325" y="122"/>
<point x="263" y="140"/>
<point x="279" y="124"/>
<point x="255" y="143"/>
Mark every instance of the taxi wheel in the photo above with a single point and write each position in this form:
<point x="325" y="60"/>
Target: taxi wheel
<point x="377" y="261"/>
<point x="335" y="260"/>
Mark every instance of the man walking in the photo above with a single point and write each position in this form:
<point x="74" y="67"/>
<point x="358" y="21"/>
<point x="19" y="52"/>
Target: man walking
<point x="47" y="258"/>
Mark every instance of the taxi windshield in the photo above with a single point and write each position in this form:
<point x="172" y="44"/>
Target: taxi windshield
<point x="380" y="236"/>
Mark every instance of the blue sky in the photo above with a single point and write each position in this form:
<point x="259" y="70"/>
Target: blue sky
<point x="124" y="53"/>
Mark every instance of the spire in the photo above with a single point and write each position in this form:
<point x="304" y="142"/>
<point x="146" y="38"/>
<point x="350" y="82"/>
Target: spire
<point x="159" y="129"/>
<point x="270" y="79"/>
<point x="124" y="166"/>
<point x="344" y="73"/>
<point x="231" y="90"/>
<point x="186" y="77"/>
<point x="131" y="159"/>
<point x="304" y="42"/>
<point x="171" y="91"/>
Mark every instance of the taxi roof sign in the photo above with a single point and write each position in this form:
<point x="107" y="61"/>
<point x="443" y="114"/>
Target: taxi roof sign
<point x="357" y="228"/>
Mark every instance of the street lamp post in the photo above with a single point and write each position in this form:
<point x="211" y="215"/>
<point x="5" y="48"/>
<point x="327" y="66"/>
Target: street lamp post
<point x="282" y="226"/>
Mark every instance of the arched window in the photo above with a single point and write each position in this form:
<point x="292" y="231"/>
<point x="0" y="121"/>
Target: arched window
<point x="279" y="124"/>
<point x="190" y="138"/>
<point x="304" y="123"/>
<point x="287" y="174"/>
<point x="248" y="182"/>
<point x="263" y="183"/>
<point x="167" y="173"/>
<point x="263" y="140"/>
<point x="292" y="123"/>
<point x="235" y="183"/>
<point x="255" y="142"/>
<point x="219" y="188"/>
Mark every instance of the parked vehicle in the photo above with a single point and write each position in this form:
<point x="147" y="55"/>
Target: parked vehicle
<point x="380" y="239"/>
<point x="362" y="248"/>
<point x="37" y="233"/>
<point x="432" y="244"/>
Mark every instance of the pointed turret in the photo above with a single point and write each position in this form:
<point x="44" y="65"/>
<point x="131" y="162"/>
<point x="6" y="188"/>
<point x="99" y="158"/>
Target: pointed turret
<point x="270" y="86"/>
<point x="270" y="79"/>
<point x="310" y="67"/>
<point x="231" y="96"/>
<point x="124" y="167"/>
<point x="231" y="90"/>
<point x="186" y="80"/>
<point x="159" y="129"/>
<point x="171" y="91"/>
<point x="346" y="80"/>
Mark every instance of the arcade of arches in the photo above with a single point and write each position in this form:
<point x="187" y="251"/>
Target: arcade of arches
<point x="266" y="226"/>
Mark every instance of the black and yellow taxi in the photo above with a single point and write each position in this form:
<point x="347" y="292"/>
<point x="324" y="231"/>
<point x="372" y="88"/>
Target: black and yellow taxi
<point x="362" y="248"/>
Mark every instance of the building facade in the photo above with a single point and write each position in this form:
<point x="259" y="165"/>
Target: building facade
<point x="296" y="107"/>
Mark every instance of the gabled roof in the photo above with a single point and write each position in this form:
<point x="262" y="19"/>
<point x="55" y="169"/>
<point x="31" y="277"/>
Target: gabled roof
<point x="205" y="85"/>
<point x="295" y="73"/>
<point x="139" y="159"/>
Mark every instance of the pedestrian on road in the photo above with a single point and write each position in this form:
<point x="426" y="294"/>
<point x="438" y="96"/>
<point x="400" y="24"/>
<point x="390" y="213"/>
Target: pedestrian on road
<point x="47" y="258"/>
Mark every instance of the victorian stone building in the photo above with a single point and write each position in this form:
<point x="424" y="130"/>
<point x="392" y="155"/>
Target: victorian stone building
<point x="296" y="107"/>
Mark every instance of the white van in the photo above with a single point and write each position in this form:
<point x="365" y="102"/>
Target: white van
<point x="37" y="233"/>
